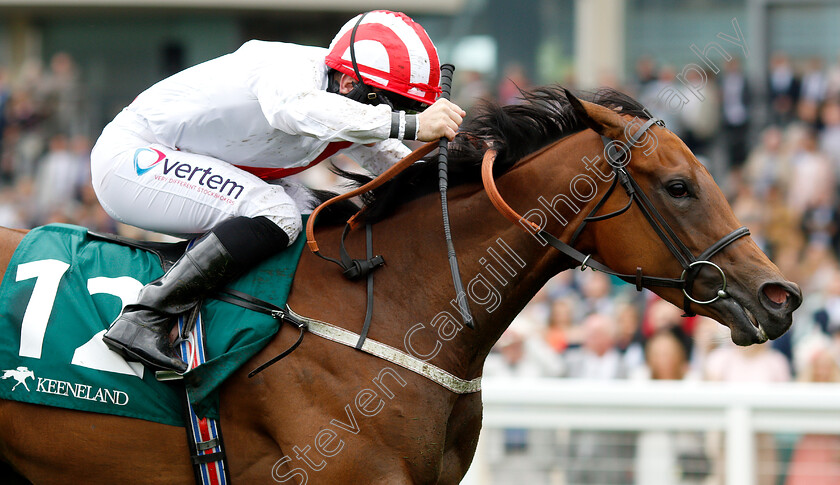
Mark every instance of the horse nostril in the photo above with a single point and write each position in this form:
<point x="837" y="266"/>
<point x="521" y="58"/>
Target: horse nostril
<point x="776" y="294"/>
<point x="782" y="295"/>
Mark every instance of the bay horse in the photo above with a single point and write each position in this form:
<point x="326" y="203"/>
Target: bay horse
<point x="330" y="414"/>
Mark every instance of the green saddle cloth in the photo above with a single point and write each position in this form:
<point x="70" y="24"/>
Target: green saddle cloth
<point x="61" y="291"/>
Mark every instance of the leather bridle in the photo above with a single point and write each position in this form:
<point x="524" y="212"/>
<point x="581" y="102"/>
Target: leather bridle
<point x="618" y="152"/>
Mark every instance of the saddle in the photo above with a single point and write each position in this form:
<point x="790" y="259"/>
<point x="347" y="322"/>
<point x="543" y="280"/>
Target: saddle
<point x="70" y="366"/>
<point x="167" y="252"/>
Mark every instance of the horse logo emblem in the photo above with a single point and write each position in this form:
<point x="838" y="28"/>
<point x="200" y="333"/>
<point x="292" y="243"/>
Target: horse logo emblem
<point x="20" y="375"/>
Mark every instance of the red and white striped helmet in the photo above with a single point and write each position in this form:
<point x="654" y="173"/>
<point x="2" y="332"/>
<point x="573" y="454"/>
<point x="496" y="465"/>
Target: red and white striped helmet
<point x="393" y="52"/>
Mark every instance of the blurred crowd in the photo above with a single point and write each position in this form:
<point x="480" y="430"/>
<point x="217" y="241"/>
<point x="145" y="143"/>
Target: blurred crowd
<point x="45" y="147"/>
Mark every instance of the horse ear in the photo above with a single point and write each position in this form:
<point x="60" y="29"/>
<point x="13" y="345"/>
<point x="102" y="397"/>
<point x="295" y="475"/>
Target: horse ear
<point x="603" y="120"/>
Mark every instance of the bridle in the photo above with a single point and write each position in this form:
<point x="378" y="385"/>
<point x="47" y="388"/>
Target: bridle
<point x="618" y="156"/>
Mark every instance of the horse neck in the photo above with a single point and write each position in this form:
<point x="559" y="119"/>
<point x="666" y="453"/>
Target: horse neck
<point x="502" y="266"/>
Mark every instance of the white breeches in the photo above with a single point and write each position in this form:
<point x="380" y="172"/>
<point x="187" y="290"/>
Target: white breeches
<point x="145" y="184"/>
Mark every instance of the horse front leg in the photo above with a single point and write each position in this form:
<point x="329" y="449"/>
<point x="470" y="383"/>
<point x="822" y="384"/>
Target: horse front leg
<point x="461" y="438"/>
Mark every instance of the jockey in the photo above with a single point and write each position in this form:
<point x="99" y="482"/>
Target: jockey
<point x="192" y="154"/>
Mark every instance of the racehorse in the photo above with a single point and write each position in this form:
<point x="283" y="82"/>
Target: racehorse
<point x="330" y="414"/>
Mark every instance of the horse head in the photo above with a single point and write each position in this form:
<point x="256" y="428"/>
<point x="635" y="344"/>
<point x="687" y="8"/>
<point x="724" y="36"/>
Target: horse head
<point x="680" y="209"/>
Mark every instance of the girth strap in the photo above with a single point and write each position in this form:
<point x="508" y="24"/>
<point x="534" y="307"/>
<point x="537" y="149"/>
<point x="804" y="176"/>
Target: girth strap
<point x="350" y="339"/>
<point x="244" y="300"/>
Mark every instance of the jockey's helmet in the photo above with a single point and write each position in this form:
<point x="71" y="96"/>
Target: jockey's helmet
<point x="390" y="51"/>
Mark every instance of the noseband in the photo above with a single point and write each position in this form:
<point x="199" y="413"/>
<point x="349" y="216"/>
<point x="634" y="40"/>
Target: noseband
<point x="691" y="265"/>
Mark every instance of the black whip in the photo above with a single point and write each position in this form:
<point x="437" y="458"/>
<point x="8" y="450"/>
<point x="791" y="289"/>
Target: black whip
<point x="446" y="72"/>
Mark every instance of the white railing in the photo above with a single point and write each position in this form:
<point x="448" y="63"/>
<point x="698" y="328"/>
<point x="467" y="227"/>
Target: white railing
<point x="738" y="410"/>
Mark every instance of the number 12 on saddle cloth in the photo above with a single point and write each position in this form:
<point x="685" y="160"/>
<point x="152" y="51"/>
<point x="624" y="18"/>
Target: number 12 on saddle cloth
<point x="61" y="291"/>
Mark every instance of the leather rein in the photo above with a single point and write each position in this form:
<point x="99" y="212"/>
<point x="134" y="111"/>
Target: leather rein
<point x="356" y="269"/>
<point x="691" y="265"/>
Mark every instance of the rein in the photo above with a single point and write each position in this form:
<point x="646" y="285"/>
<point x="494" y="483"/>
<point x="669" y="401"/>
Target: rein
<point x="691" y="265"/>
<point x="353" y="269"/>
<point x="387" y="175"/>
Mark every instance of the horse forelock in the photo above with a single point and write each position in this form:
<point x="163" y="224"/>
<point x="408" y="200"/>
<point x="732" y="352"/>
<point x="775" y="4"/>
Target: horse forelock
<point x="543" y="116"/>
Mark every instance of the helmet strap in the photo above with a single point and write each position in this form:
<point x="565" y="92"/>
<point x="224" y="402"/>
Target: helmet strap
<point x="361" y="92"/>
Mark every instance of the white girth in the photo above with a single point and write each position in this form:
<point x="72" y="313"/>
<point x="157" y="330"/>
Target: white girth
<point x="386" y="352"/>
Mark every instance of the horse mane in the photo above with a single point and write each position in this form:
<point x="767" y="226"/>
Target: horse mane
<point x="543" y="116"/>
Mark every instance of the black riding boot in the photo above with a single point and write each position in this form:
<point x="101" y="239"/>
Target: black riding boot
<point x="141" y="332"/>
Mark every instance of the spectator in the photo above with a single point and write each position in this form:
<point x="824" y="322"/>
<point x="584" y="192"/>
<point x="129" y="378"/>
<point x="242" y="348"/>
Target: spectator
<point x="833" y="80"/>
<point x="826" y="304"/>
<point x="660" y="98"/>
<point x="664" y="457"/>
<point x="24" y="132"/>
<point x="513" y="80"/>
<point x="668" y="355"/>
<point x="5" y="94"/>
<point x="597" y="358"/>
<point x="645" y="74"/>
<point x="562" y="332"/>
<point x="749" y="209"/>
<point x="469" y="88"/>
<point x="812" y="179"/>
<point x="767" y="164"/>
<point x="814" y="82"/>
<point x="735" y="116"/>
<point x="661" y="313"/>
<point x="699" y="118"/>
<point x="754" y="364"/>
<point x="63" y="98"/>
<point x="517" y="453"/>
<point x="596" y="290"/>
<point x="536" y="312"/>
<point x="780" y="222"/>
<point x="814" y="459"/>
<point x="522" y="353"/>
<point x="11" y="214"/>
<point x="708" y="335"/>
<point x="629" y="340"/>
<point x="821" y="219"/>
<point x="90" y="213"/>
<point x="784" y="89"/>
<point x="59" y="176"/>
<point x="829" y="137"/>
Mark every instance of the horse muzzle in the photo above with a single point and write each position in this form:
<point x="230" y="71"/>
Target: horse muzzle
<point x="768" y="314"/>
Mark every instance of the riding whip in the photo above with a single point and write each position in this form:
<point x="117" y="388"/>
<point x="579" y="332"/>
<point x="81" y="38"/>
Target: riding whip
<point x="446" y="72"/>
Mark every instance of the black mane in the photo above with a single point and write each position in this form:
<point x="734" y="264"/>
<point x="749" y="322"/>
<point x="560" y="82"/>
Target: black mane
<point x="514" y="131"/>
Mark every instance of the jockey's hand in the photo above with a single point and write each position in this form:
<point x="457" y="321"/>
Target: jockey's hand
<point x="438" y="120"/>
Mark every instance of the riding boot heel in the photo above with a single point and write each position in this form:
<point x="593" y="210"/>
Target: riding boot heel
<point x="141" y="332"/>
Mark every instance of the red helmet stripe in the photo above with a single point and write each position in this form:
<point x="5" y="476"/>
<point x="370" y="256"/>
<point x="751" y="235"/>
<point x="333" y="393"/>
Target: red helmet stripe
<point x="400" y="39"/>
<point x="434" y="74"/>
<point x="398" y="58"/>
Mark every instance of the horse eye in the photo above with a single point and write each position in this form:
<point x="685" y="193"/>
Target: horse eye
<point x="678" y="189"/>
